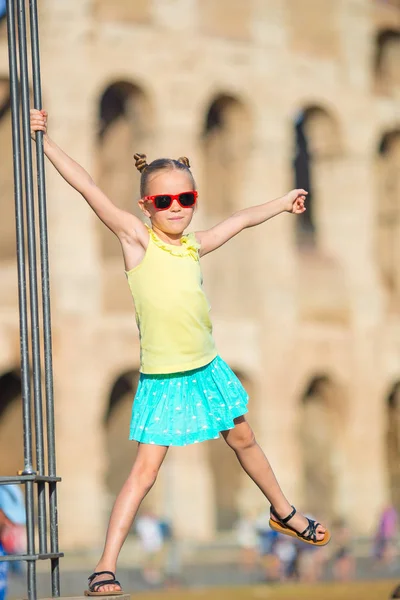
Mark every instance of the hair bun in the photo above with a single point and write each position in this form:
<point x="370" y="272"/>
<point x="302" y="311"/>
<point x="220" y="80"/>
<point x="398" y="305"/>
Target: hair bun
<point x="140" y="162"/>
<point x="185" y="161"/>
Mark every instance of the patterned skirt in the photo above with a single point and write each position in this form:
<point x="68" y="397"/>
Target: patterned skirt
<point x="178" y="409"/>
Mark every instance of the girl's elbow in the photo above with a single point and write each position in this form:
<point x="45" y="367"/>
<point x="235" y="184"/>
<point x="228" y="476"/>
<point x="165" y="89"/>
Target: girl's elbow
<point x="243" y="220"/>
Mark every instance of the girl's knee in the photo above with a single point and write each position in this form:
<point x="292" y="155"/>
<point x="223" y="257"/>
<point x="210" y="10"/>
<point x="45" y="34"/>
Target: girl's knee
<point x="242" y="439"/>
<point x="144" y="475"/>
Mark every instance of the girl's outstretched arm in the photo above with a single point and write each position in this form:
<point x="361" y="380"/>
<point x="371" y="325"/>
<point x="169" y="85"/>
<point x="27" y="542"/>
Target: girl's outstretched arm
<point x="213" y="238"/>
<point x="124" y="224"/>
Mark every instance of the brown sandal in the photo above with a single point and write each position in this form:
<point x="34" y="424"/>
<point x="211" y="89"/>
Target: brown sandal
<point x="309" y="535"/>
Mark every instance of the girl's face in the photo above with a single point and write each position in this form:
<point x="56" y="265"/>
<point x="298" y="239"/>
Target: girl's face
<point x="175" y="219"/>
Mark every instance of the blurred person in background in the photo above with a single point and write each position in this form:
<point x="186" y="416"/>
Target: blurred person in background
<point x="343" y="559"/>
<point x="173" y="560"/>
<point x="396" y="592"/>
<point x="286" y="550"/>
<point x="311" y="562"/>
<point x="12" y="529"/>
<point x="149" y="529"/>
<point x="268" y="539"/>
<point x="384" y="548"/>
<point x="247" y="538"/>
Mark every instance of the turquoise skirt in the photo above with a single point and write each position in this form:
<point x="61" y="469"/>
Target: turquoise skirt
<point x="178" y="409"/>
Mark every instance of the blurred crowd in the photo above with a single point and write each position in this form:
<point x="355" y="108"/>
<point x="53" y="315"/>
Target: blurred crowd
<point x="273" y="557"/>
<point x="277" y="557"/>
<point x="284" y="558"/>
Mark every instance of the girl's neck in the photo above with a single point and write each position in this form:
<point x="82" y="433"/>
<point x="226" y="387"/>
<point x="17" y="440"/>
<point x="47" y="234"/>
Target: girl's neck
<point x="169" y="238"/>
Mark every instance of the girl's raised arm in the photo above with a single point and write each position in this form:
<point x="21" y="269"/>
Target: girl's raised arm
<point x="213" y="238"/>
<point x="124" y="224"/>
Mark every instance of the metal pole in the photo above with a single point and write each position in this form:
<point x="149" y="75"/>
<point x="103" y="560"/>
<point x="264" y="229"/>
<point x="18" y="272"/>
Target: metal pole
<point x="32" y="274"/>
<point x="28" y="476"/>
<point x="44" y="253"/>
<point x="23" y="321"/>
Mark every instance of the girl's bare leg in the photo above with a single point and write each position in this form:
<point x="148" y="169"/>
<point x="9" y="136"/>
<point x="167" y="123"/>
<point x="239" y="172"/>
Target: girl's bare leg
<point x="141" y="479"/>
<point x="253" y="460"/>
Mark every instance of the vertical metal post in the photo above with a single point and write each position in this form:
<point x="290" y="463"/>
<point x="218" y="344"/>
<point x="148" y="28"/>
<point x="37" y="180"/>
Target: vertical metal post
<point x="29" y="477"/>
<point x="44" y="253"/>
<point x="23" y="320"/>
<point x="36" y="368"/>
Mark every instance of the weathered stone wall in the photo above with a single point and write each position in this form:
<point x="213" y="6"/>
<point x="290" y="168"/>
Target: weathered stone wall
<point x="219" y="80"/>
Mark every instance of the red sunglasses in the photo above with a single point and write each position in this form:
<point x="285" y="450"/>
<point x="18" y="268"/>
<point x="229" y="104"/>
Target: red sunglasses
<point x="164" y="201"/>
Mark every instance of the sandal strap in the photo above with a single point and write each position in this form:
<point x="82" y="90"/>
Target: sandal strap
<point x="286" y="519"/>
<point x="310" y="532"/>
<point x="95" y="586"/>
<point x="94" y="575"/>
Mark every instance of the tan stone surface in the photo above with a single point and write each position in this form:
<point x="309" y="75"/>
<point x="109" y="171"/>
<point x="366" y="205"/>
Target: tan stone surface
<point x="123" y="11"/>
<point x="225" y="90"/>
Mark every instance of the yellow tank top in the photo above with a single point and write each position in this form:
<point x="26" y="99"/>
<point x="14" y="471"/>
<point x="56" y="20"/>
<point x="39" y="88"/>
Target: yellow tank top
<point x="172" y="311"/>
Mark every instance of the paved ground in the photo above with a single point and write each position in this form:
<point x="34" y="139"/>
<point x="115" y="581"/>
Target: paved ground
<point x="356" y="591"/>
<point x="376" y="590"/>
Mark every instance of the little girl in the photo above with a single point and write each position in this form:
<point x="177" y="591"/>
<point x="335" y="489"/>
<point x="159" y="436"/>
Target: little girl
<point x="186" y="392"/>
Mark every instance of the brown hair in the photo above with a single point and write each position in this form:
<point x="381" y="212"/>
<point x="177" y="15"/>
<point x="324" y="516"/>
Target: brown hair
<point x="146" y="170"/>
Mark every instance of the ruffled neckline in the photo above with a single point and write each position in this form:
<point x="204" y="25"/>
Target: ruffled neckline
<point x="189" y="245"/>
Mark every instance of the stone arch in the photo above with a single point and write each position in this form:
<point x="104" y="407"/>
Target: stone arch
<point x="225" y="144"/>
<point x="317" y="142"/>
<point x="393" y="443"/>
<point x="120" y="450"/>
<point x="387" y="60"/>
<point x="227" y="474"/>
<point x="388" y="214"/>
<point x="11" y="430"/>
<point x="7" y="222"/>
<point x="320" y="428"/>
<point x="124" y="127"/>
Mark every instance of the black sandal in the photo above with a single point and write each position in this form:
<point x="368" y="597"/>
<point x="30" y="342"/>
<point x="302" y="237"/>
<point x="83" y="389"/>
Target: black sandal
<point x="309" y="535"/>
<point x="93" y="587"/>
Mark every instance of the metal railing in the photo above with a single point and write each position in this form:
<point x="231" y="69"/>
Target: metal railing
<point x="36" y="480"/>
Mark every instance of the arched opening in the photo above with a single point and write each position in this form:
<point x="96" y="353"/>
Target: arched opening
<point x="225" y="144"/>
<point x="388" y="215"/>
<point x="321" y="409"/>
<point x="226" y="140"/>
<point x="227" y="474"/>
<point x="316" y="143"/>
<point x="7" y="224"/>
<point x="393" y="444"/>
<point x="11" y="432"/>
<point x="387" y="60"/>
<point x="124" y="127"/>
